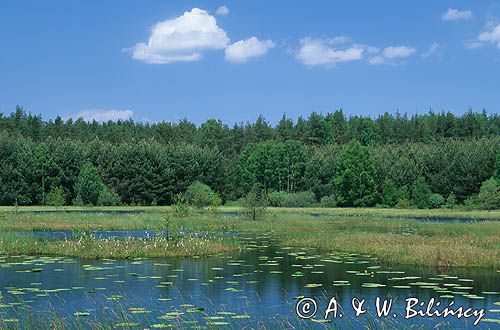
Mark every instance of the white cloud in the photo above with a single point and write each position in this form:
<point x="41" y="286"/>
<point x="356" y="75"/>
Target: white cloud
<point x="181" y="39"/>
<point x="242" y="50"/>
<point x="432" y="50"/>
<point x="492" y="35"/>
<point x="391" y="54"/>
<point x="376" y="60"/>
<point x="473" y="44"/>
<point x="320" y="52"/>
<point x="398" y="51"/>
<point x="104" y="114"/>
<point x="456" y="15"/>
<point x="222" y="11"/>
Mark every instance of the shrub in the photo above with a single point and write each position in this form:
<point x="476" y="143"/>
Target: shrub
<point x="78" y="201"/>
<point x="328" y="201"/>
<point x="451" y="201"/>
<point x="200" y="195"/>
<point x="389" y="194"/>
<point x="420" y="195"/>
<point x="56" y="197"/>
<point x="254" y="204"/>
<point x="181" y="209"/>
<point x="403" y="198"/>
<point x="489" y="195"/>
<point x="108" y="197"/>
<point x="436" y="201"/>
<point x="284" y="199"/>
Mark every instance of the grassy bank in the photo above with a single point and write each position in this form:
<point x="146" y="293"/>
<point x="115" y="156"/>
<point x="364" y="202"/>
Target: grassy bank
<point x="89" y="247"/>
<point x="396" y="241"/>
<point x="458" y="212"/>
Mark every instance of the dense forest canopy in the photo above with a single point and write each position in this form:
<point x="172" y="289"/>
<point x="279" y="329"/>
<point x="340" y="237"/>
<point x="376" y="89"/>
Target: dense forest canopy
<point x="392" y="160"/>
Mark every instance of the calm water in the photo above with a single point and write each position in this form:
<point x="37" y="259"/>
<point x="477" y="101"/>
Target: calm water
<point x="133" y="212"/>
<point x="249" y="289"/>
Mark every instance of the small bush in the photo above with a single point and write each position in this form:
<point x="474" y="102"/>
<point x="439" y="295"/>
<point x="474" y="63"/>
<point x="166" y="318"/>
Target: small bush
<point x="436" y="201"/>
<point x="78" y="201"/>
<point x="284" y="199"/>
<point x="420" y="195"/>
<point x="403" y="198"/>
<point x="254" y="204"/>
<point x="200" y="195"/>
<point x="451" y="201"/>
<point x="328" y="201"/>
<point x="181" y="209"/>
<point x="56" y="197"/>
<point x="489" y="195"/>
<point x="108" y="197"/>
<point x="389" y="194"/>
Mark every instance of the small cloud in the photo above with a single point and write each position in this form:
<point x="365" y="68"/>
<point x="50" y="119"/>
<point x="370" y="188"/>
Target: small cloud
<point x="473" y="44"/>
<point x="398" y="51"/>
<point x="315" y="52"/>
<point x="432" y="50"/>
<point x="391" y="54"/>
<point x="456" y="15"/>
<point x="376" y="60"/>
<point x="222" y="11"/>
<point x="104" y="115"/>
<point x="181" y="39"/>
<point x="242" y="50"/>
<point x="338" y="40"/>
<point x="491" y="35"/>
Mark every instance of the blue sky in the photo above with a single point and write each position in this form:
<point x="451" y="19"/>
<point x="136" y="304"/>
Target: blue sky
<point x="234" y="60"/>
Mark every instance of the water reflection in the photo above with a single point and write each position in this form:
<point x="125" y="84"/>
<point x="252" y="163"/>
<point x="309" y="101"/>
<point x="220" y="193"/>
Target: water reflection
<point x="251" y="288"/>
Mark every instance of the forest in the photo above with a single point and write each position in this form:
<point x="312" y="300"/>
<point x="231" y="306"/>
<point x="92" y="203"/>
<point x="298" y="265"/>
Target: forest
<point x="394" y="160"/>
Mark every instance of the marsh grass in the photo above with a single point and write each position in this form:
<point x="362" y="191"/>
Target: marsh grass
<point x="395" y="241"/>
<point x="87" y="246"/>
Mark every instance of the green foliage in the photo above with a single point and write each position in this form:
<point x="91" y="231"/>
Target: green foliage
<point x="274" y="165"/>
<point x="56" y="197"/>
<point x="420" y="195"/>
<point x="328" y="201"/>
<point x="389" y="194"/>
<point x="436" y="201"/>
<point x="354" y="179"/>
<point x="78" y="201"/>
<point x="89" y="185"/>
<point x="148" y="164"/>
<point x="285" y="199"/>
<point x="403" y="198"/>
<point x="489" y="195"/>
<point x="451" y="201"/>
<point x="108" y="197"/>
<point x="200" y="195"/>
<point x="181" y="208"/>
<point x="254" y="204"/>
<point x="496" y="173"/>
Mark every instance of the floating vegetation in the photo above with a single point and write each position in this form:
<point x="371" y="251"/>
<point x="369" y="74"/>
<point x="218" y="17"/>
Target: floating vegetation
<point x="167" y="293"/>
<point x="313" y="285"/>
<point x="81" y="314"/>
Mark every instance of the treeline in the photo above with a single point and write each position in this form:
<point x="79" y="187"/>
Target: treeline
<point x="315" y="130"/>
<point x="148" y="172"/>
<point x="393" y="160"/>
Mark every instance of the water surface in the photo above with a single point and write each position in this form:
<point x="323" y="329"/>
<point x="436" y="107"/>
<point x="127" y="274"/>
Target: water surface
<point x="247" y="289"/>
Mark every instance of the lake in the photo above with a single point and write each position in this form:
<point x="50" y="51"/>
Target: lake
<point x="258" y="286"/>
